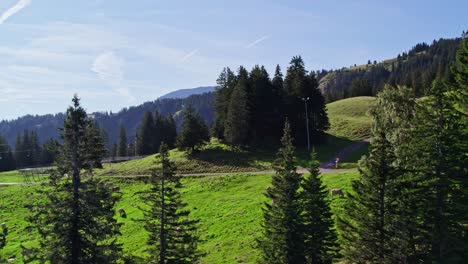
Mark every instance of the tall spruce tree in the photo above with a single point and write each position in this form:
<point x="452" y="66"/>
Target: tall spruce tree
<point x="75" y="215"/>
<point x="439" y="153"/>
<point x="225" y="85"/>
<point x="238" y="122"/>
<point x="371" y="231"/>
<point x="145" y="145"/>
<point x="194" y="131"/>
<point x="122" y="145"/>
<point x="283" y="231"/>
<point x="395" y="112"/>
<point x="158" y="131"/>
<point x="299" y="85"/>
<point x="319" y="233"/>
<point x="172" y="234"/>
<point x="169" y="134"/>
<point x="265" y="121"/>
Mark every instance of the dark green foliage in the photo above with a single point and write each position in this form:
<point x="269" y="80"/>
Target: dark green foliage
<point x="145" y="143"/>
<point x="27" y="150"/>
<point x="282" y="240"/>
<point x="371" y="229"/>
<point x="417" y="68"/>
<point x="122" y="144"/>
<point x="251" y="107"/>
<point x="265" y="106"/>
<point x="172" y="234"/>
<point x="300" y="85"/>
<point x="75" y="215"/>
<point x="29" y="153"/>
<point x="169" y="134"/>
<point x="155" y="129"/>
<point x="439" y="146"/>
<point x="319" y="234"/>
<point x="50" y="150"/>
<point x="194" y="131"/>
<point x="95" y="223"/>
<point x="459" y="86"/>
<point x="238" y="119"/>
<point x="93" y="145"/>
<point x="7" y="160"/>
<point x="225" y="85"/>
<point x="378" y="226"/>
<point x="360" y="87"/>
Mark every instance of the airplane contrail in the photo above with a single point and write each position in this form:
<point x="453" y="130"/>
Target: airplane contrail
<point x="13" y="10"/>
<point x="250" y="45"/>
<point x="189" y="55"/>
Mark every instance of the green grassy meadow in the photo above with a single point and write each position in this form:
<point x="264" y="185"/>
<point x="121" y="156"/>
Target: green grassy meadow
<point x="228" y="207"/>
<point x="349" y="118"/>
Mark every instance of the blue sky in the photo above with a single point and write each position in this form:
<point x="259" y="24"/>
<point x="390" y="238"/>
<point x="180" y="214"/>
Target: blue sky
<point x="124" y="52"/>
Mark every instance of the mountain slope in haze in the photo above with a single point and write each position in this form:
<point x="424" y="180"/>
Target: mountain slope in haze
<point x="47" y="126"/>
<point x="184" y="93"/>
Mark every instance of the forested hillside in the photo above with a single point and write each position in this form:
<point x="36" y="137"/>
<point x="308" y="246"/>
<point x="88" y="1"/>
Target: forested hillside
<point x="416" y="68"/>
<point x="47" y="126"/>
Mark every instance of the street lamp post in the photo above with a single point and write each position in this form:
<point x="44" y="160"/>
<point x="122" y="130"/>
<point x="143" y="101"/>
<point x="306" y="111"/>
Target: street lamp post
<point x="306" y="99"/>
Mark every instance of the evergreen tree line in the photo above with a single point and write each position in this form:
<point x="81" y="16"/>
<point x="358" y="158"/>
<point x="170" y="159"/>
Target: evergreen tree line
<point x="75" y="215"/>
<point x="417" y="68"/>
<point x="155" y="129"/>
<point x="410" y="203"/>
<point x="251" y="106"/>
<point x="28" y="152"/>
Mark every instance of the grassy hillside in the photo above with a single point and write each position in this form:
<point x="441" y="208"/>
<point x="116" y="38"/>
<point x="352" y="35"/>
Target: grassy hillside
<point x="212" y="158"/>
<point x="228" y="207"/>
<point x="216" y="157"/>
<point x="349" y="118"/>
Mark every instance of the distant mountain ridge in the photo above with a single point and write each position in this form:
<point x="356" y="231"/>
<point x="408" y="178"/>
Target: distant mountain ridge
<point x="47" y="126"/>
<point x="184" y="93"/>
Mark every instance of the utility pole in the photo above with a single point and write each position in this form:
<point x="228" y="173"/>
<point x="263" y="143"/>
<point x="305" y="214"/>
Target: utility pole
<point x="307" y="121"/>
<point x="136" y="138"/>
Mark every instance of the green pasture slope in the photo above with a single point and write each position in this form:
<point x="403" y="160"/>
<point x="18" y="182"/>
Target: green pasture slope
<point x="349" y="118"/>
<point x="216" y="157"/>
<point x="228" y="207"/>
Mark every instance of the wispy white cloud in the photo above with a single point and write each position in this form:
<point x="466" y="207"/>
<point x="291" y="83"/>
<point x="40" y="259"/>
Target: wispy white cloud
<point x="256" y="42"/>
<point x="189" y="55"/>
<point x="13" y="10"/>
<point x="109" y="68"/>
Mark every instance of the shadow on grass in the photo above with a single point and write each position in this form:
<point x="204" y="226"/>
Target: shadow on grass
<point x="233" y="157"/>
<point x="349" y="151"/>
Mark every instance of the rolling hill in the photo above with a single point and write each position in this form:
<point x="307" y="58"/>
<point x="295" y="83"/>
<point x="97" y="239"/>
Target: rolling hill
<point x="349" y="118"/>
